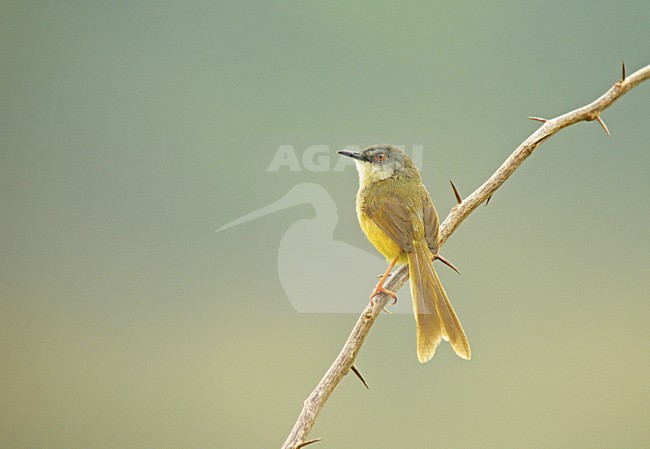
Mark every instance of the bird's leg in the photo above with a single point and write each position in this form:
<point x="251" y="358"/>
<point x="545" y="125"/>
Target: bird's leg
<point x="379" y="288"/>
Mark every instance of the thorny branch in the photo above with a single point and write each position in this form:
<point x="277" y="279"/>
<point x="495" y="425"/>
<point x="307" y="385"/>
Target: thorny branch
<point x="345" y="360"/>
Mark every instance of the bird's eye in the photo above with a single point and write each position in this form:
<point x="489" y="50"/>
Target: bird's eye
<point x="380" y="157"/>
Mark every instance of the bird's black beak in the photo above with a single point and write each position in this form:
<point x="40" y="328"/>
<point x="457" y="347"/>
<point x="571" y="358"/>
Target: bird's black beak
<point x="352" y="154"/>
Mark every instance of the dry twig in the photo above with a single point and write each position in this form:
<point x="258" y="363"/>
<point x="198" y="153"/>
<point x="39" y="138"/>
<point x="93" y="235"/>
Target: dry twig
<point x="458" y="213"/>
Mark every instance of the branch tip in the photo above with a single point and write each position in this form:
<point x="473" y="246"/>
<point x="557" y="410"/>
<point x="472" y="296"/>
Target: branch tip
<point x="600" y="120"/>
<point x="456" y="194"/>
<point x="356" y="371"/>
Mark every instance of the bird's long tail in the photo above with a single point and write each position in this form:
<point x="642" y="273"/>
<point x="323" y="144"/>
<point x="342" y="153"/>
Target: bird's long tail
<point x="434" y="316"/>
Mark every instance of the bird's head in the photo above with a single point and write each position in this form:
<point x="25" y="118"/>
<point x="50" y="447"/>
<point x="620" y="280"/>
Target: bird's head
<point x="380" y="162"/>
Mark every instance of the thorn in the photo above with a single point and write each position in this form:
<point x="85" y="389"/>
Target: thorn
<point x="538" y="119"/>
<point x="600" y="120"/>
<point x="307" y="443"/>
<point x="458" y="198"/>
<point x="446" y="262"/>
<point x="488" y="200"/>
<point x="356" y="371"/>
<point x="387" y="311"/>
<point x="622" y="71"/>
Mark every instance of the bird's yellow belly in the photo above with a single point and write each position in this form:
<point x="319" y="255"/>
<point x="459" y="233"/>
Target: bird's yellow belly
<point x="380" y="240"/>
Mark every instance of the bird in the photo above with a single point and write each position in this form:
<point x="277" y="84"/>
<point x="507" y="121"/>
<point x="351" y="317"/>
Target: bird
<point x="397" y="216"/>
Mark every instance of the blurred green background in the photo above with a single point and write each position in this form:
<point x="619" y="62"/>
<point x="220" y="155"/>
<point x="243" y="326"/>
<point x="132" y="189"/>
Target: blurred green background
<point x="130" y="131"/>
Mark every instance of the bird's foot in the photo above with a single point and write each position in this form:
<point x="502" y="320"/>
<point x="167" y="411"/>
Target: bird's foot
<point x="380" y="289"/>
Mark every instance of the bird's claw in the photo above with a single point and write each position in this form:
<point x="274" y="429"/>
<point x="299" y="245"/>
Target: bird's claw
<point x="380" y="290"/>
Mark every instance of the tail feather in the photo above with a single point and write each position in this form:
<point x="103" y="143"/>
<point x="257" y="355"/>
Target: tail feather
<point x="434" y="316"/>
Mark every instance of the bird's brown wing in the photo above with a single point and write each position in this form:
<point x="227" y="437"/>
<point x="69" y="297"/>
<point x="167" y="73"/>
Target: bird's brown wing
<point x="392" y="214"/>
<point x="431" y="223"/>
